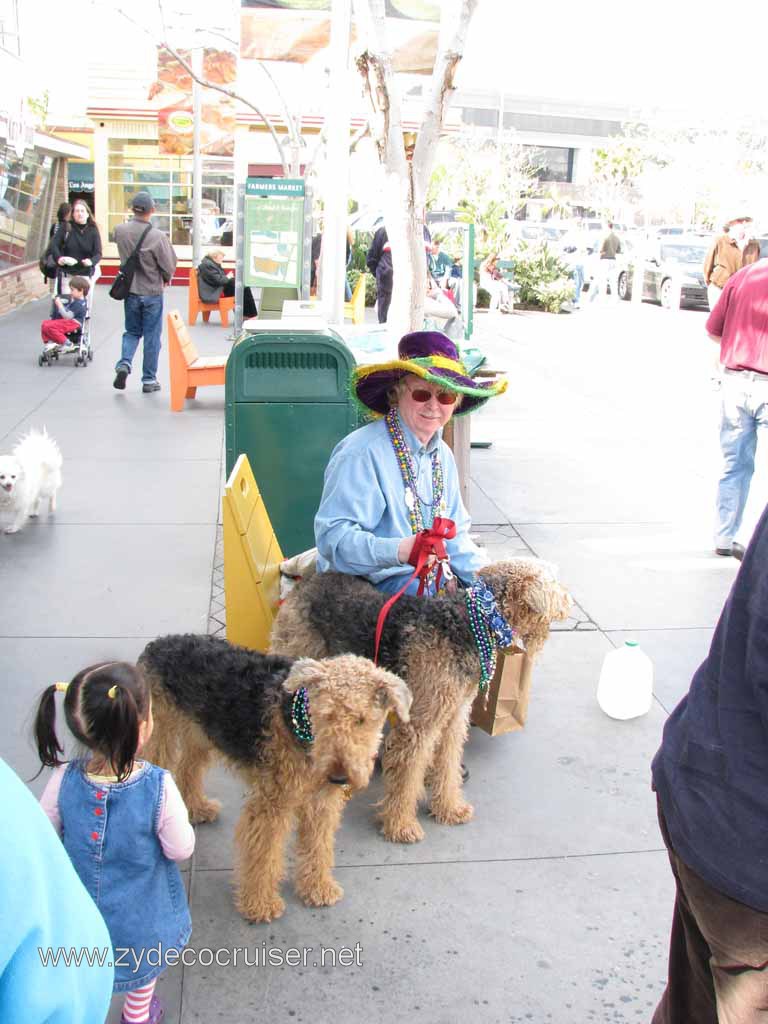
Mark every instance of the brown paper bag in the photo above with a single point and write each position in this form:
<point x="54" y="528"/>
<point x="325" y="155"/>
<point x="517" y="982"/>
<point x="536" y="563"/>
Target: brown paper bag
<point x="506" y="707"/>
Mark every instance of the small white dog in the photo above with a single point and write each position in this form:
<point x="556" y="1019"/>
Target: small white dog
<point x="29" y="474"/>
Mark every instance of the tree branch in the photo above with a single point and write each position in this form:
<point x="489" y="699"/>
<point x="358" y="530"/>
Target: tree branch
<point x="441" y="88"/>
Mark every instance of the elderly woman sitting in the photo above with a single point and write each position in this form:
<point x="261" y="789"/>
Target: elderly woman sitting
<point x="213" y="281"/>
<point x="388" y="480"/>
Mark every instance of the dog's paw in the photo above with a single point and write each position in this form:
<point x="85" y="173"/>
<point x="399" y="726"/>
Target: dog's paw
<point x="458" y="815"/>
<point x="208" y="810"/>
<point x="11" y="529"/>
<point x="410" y="832"/>
<point x="263" y="909"/>
<point x="321" y="894"/>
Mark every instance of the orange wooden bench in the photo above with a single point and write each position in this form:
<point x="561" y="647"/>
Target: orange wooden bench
<point x="224" y="305"/>
<point x="189" y="371"/>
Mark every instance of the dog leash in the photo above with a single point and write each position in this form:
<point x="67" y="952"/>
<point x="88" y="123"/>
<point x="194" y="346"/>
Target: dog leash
<point x="428" y="543"/>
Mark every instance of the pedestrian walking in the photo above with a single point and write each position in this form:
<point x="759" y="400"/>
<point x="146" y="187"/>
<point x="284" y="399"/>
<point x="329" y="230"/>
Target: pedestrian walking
<point x="739" y="325"/>
<point x="724" y="256"/>
<point x="607" y="276"/>
<point x="709" y="776"/>
<point x="144" y="305"/>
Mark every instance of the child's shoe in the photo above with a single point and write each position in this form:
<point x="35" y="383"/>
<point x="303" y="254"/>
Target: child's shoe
<point x="156" y="1012"/>
<point x="50" y="346"/>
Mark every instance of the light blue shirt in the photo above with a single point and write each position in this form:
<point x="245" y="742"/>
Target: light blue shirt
<point x="363" y="515"/>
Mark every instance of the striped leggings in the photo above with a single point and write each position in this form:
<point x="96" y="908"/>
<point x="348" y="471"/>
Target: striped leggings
<point x="136" y="1007"/>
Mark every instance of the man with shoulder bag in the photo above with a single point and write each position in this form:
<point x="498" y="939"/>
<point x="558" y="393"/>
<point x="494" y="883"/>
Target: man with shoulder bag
<point x="147" y="263"/>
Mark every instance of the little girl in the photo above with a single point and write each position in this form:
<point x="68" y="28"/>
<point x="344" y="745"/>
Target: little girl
<point x="123" y="823"/>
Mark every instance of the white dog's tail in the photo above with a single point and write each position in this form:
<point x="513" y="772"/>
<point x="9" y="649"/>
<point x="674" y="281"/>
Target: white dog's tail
<point x="39" y="447"/>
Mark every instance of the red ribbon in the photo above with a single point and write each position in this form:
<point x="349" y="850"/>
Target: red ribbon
<point x="428" y="543"/>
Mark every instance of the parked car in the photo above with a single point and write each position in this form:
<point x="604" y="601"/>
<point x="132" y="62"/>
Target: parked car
<point x="671" y="257"/>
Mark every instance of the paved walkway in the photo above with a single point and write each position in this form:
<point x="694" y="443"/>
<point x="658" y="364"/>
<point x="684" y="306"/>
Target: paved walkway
<point x="554" y="904"/>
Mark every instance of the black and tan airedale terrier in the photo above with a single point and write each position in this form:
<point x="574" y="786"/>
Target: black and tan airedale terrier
<point x="301" y="733"/>
<point x="429" y="642"/>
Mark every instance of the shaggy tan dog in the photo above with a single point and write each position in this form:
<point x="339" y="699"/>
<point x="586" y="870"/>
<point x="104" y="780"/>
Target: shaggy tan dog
<point x="429" y="642"/>
<point x="299" y="733"/>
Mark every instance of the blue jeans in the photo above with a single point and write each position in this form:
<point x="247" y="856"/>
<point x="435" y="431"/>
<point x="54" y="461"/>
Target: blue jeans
<point x="577" y="273"/>
<point x="143" y="319"/>
<point x="744" y="417"/>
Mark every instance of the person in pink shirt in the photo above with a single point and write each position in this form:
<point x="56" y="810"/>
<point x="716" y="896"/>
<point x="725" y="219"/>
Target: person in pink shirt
<point x="739" y="324"/>
<point x="123" y="823"/>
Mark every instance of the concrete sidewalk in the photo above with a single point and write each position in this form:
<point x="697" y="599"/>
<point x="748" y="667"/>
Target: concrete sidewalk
<point x="554" y="904"/>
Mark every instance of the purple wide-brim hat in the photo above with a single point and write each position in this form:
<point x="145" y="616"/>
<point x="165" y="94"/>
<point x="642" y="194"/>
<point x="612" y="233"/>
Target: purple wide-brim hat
<point x="431" y="356"/>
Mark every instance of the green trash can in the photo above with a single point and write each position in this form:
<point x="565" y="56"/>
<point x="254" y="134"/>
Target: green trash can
<point x="287" y="406"/>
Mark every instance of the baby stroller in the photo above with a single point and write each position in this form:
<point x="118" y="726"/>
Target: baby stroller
<point x="78" y="343"/>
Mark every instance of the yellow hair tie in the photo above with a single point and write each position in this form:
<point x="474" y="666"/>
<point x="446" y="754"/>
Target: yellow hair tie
<point x="112" y="692"/>
<point x="61" y="687"/>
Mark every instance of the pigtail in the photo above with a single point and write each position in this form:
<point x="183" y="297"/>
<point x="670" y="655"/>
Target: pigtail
<point x="122" y="734"/>
<point x="48" y="746"/>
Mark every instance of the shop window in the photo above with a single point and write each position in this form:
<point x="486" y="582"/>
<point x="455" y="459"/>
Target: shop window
<point x="136" y="164"/>
<point x="553" y="163"/>
<point x="24" y="183"/>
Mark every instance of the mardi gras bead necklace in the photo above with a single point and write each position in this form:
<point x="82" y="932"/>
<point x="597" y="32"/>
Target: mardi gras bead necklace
<point x="413" y="499"/>
<point x="490" y="630"/>
<point x="300" y="718"/>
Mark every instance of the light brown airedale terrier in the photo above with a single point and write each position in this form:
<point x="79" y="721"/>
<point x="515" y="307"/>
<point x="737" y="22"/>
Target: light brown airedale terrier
<point x="299" y="732"/>
<point x="429" y="642"/>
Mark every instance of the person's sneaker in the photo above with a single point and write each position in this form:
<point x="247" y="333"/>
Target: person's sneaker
<point x="149" y="386"/>
<point x="120" y="378"/>
<point x="734" y="550"/>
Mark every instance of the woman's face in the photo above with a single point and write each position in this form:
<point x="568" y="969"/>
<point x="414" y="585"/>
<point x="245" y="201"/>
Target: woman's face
<point x="423" y="418"/>
<point x="79" y="213"/>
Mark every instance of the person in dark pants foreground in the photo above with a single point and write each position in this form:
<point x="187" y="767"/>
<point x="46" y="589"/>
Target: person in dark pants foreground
<point x="711" y="781"/>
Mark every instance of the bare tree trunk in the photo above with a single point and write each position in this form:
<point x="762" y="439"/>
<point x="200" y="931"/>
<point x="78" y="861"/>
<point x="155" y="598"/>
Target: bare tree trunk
<point x="405" y="182"/>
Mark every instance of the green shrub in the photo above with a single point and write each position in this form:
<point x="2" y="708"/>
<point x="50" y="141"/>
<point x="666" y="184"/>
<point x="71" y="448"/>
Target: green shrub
<point x="544" y="280"/>
<point x="483" y="300"/>
<point x="360" y="249"/>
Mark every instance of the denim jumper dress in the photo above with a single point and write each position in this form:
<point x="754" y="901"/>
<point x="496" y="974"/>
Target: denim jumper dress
<point x="110" y="834"/>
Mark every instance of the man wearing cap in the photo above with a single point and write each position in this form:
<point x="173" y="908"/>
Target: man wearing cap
<point x="724" y="256"/>
<point x="388" y="480"/>
<point x="739" y="324"/>
<point x="144" y="305"/>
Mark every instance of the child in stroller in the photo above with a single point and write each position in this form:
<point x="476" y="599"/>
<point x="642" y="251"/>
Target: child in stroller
<point x="68" y="331"/>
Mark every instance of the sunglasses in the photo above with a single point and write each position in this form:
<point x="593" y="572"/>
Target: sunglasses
<point x="422" y="395"/>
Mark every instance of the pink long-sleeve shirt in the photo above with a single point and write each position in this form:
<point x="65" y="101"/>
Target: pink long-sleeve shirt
<point x="176" y="835"/>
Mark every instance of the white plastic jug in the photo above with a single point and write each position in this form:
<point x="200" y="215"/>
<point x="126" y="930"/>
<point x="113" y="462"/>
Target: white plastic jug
<point x="625" y="689"/>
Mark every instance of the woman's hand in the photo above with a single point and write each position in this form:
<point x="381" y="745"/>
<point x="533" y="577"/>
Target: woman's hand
<point x="404" y="549"/>
<point x="86" y="263"/>
<point x="62" y="261"/>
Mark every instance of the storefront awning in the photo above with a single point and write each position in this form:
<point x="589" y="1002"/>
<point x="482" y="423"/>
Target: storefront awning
<point x="80" y="177"/>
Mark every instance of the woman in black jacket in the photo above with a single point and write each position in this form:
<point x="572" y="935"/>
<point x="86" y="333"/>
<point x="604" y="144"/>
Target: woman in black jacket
<point x="213" y="282"/>
<point x="76" y="246"/>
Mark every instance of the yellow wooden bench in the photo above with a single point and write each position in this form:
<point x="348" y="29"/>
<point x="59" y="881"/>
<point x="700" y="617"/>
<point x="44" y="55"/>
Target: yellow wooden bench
<point x="354" y="310"/>
<point x="252" y="558"/>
